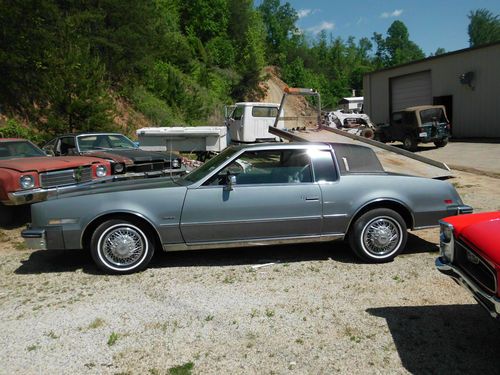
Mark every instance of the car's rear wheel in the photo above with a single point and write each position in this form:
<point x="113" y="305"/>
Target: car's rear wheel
<point x="121" y="246"/>
<point x="410" y="143"/>
<point x="441" y="143"/>
<point x="378" y="235"/>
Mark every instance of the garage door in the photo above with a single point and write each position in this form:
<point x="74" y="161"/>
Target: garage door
<point x="411" y="90"/>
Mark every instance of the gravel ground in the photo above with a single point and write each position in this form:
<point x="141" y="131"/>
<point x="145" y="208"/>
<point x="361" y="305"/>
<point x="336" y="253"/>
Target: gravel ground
<point x="305" y="309"/>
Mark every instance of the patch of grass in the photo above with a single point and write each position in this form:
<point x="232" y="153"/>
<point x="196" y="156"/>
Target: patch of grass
<point x="270" y="313"/>
<point x="229" y="279"/>
<point x="33" y="347"/>
<point x="254" y="313"/>
<point x="98" y="322"/>
<point x="113" y="338"/>
<point x="398" y="279"/>
<point x="185" y="369"/>
<point x="20" y="246"/>
<point x="299" y="341"/>
<point x="209" y="318"/>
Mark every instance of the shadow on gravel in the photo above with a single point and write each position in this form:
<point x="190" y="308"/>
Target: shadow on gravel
<point x="53" y="261"/>
<point x="444" y="339"/>
<point x="49" y="261"/>
<point x="417" y="245"/>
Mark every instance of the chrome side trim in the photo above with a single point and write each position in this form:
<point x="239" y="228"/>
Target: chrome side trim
<point x="250" y="221"/>
<point x="466" y="282"/>
<point x="336" y="215"/>
<point x="426" y="227"/>
<point x="252" y="243"/>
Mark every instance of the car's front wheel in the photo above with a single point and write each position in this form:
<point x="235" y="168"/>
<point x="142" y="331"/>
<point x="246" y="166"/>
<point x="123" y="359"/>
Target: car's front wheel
<point x="378" y="235"/>
<point x="121" y="246"/>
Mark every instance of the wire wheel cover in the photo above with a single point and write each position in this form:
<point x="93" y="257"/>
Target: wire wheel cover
<point x="123" y="245"/>
<point x="382" y="236"/>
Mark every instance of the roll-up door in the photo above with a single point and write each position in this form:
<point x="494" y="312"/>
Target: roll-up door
<point x="411" y="90"/>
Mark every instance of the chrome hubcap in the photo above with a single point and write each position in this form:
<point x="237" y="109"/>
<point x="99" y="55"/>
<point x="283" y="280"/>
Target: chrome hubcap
<point x="123" y="246"/>
<point x="382" y="236"/>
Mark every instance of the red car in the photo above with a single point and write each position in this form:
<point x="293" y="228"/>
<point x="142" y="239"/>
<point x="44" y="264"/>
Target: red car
<point x="470" y="254"/>
<point x="28" y="175"/>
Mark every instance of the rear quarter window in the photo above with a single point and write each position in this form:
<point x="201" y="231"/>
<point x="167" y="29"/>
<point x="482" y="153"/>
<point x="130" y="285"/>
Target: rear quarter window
<point x="356" y="159"/>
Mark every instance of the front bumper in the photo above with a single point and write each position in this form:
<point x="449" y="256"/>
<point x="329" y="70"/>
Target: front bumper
<point x="35" y="239"/>
<point x="490" y="302"/>
<point x="40" y="194"/>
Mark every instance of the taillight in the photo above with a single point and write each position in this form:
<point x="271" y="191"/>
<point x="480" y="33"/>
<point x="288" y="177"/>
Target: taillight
<point x="448" y="201"/>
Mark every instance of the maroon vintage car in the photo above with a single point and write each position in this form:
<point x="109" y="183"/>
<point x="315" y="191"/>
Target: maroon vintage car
<point x="28" y="175"/>
<point x="470" y="254"/>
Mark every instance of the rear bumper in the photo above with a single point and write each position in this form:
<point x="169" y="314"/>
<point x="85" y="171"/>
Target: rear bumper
<point x="463" y="209"/>
<point x="490" y="302"/>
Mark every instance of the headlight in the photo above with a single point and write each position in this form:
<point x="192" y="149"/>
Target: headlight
<point x="101" y="171"/>
<point x="27" y="182"/>
<point x="446" y="243"/>
<point x="118" y="168"/>
<point x="176" y="163"/>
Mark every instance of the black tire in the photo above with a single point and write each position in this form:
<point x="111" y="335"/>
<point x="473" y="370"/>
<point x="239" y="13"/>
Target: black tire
<point x="441" y="143"/>
<point x="378" y="235"/>
<point x="119" y="257"/>
<point x="379" y="137"/>
<point x="410" y="143"/>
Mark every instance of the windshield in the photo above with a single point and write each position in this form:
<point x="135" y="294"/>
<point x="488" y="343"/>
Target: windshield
<point x="431" y="115"/>
<point x="103" y="141"/>
<point x="19" y="149"/>
<point x="204" y="170"/>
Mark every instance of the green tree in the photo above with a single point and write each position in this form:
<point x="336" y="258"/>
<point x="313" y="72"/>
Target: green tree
<point x="279" y="21"/>
<point x="484" y="27"/>
<point x="396" y="48"/>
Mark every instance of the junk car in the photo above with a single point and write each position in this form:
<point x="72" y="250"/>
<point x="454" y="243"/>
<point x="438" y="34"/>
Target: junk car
<point x="263" y="194"/>
<point x="469" y="253"/>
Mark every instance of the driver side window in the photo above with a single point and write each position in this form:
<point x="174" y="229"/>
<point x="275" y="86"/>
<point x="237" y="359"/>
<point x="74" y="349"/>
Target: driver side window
<point x="267" y="167"/>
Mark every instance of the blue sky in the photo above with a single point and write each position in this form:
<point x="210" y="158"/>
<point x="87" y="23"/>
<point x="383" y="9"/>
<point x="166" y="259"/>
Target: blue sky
<point x="431" y="24"/>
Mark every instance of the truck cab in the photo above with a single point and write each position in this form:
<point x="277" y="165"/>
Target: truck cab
<point x="249" y="122"/>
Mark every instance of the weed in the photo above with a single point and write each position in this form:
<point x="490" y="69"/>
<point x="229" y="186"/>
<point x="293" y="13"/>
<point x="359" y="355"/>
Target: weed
<point x="185" y="369"/>
<point x="98" y="322"/>
<point x="52" y="335"/>
<point x="254" y="313"/>
<point x="299" y="341"/>
<point x="89" y="365"/>
<point x="398" y="279"/>
<point x="20" y="246"/>
<point x="269" y="313"/>
<point x="32" y="347"/>
<point x="209" y="318"/>
<point x="113" y="338"/>
<point x="229" y="279"/>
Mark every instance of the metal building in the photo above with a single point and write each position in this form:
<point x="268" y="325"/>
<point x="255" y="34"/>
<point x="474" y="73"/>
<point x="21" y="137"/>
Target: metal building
<point x="466" y="82"/>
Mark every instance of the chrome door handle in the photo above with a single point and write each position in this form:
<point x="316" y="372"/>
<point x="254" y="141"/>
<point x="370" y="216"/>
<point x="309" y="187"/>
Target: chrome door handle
<point x="312" y="198"/>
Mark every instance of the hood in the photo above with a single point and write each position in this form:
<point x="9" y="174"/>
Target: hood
<point x="117" y="186"/>
<point x="47" y="163"/>
<point x="133" y="155"/>
<point x="481" y="230"/>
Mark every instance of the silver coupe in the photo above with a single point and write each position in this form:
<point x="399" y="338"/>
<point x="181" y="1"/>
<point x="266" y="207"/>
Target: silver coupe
<point x="263" y="194"/>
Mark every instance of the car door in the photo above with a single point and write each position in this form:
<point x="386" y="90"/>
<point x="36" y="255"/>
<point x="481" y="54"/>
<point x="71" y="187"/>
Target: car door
<point x="274" y="197"/>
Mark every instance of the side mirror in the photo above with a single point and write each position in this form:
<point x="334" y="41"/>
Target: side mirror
<point x="137" y="144"/>
<point x="230" y="182"/>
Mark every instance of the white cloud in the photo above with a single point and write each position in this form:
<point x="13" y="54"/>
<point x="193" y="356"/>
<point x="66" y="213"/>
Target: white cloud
<point x="322" y="26"/>
<point x="304" y="12"/>
<point x="395" y="13"/>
